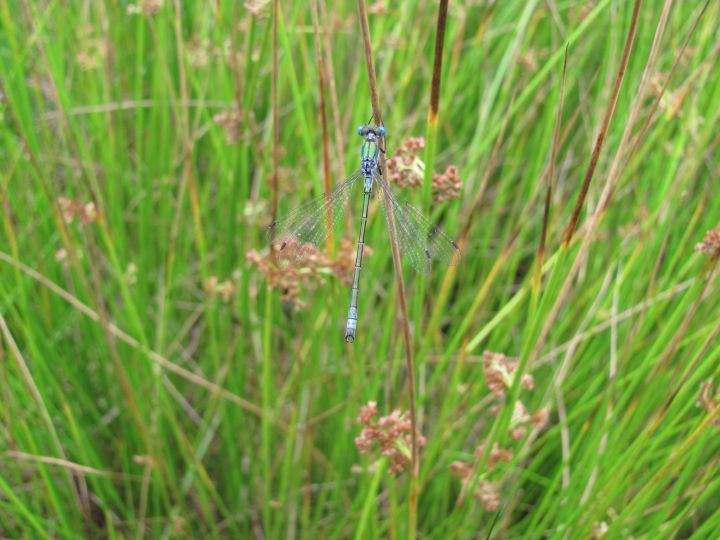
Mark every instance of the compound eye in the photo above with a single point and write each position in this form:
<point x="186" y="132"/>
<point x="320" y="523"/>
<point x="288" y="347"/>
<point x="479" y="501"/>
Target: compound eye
<point x="382" y="131"/>
<point x="360" y="130"/>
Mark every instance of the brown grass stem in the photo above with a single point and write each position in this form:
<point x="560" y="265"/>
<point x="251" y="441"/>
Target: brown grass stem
<point x="275" y="111"/>
<point x="323" y="116"/>
<point x="565" y="289"/>
<point x="551" y="177"/>
<point x="334" y="107"/>
<point x="640" y="137"/>
<point x="603" y="203"/>
<point x="600" y="139"/>
<point x="415" y="458"/>
<point x="431" y="134"/>
<point x="437" y="62"/>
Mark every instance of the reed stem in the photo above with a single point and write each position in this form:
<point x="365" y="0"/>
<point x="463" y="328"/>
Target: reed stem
<point x="410" y="371"/>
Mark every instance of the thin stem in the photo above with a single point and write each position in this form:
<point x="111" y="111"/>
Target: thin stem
<point x="570" y="230"/>
<point x="334" y="107"/>
<point x="551" y="179"/>
<point x="275" y="111"/>
<point x="437" y="62"/>
<point x="415" y="458"/>
<point x="367" y="48"/>
<point x="323" y="115"/>
<point x="433" y="111"/>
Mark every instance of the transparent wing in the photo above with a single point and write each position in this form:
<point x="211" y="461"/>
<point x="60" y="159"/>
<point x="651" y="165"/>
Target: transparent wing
<point x="310" y="223"/>
<point x="422" y="243"/>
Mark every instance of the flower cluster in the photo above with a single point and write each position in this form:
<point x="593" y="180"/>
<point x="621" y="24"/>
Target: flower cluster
<point x="92" y="51"/>
<point x="711" y="244"/>
<point x="146" y="7"/>
<point x="486" y="491"/>
<point x="231" y="122"/>
<point x="405" y="168"/>
<point x="259" y="9"/>
<point x="297" y="266"/>
<point x="499" y="372"/>
<point x="224" y="289"/>
<point x="497" y="454"/>
<point x="377" y="8"/>
<point x="446" y="186"/>
<point x="199" y="51"/>
<point x="71" y="209"/>
<point x="521" y="419"/>
<point x="392" y="434"/>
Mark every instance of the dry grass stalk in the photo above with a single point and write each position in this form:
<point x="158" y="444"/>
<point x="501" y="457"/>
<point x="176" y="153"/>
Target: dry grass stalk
<point x="415" y="459"/>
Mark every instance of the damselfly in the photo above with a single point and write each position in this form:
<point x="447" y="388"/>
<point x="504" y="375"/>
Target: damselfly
<point x="421" y="242"/>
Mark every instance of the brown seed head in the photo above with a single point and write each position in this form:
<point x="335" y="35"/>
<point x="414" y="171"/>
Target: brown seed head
<point x="446" y="186"/>
<point x="405" y="168"/>
<point x="711" y="244"/>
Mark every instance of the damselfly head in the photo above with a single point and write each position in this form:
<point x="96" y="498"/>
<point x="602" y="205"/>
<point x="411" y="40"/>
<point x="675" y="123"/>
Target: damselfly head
<point x="371" y="132"/>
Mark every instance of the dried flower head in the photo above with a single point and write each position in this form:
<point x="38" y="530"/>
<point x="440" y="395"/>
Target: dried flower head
<point x="298" y="266"/>
<point x="497" y="454"/>
<point x="92" y="50"/>
<point x="460" y="469"/>
<point x="231" y="122"/>
<point x="519" y="422"/>
<point x="711" y="244"/>
<point x="391" y="434"/>
<point x="446" y="186"/>
<point x="377" y="8"/>
<point x="146" y="7"/>
<point x="224" y="289"/>
<point x="540" y="419"/>
<point x="499" y="372"/>
<point x="70" y="209"/>
<point x="405" y="168"/>
<point x="259" y="9"/>
<point x="488" y="493"/>
<point x="199" y="51"/>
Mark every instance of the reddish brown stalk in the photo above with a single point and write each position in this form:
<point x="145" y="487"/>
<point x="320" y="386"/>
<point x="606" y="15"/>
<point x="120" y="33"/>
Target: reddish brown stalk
<point x="367" y="49"/>
<point x="592" y="223"/>
<point x="437" y="63"/>
<point x="551" y="173"/>
<point x="415" y="458"/>
<point x="634" y="112"/>
<point x="339" y="139"/>
<point x="275" y="111"/>
<point x="641" y="134"/>
<point x="572" y="224"/>
<point x="323" y="115"/>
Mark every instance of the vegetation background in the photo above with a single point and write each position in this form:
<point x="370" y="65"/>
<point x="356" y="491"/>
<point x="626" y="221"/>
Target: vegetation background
<point x="160" y="378"/>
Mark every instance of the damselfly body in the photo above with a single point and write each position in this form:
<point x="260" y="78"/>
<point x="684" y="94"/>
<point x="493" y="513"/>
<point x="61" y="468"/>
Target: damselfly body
<point x="421" y="243"/>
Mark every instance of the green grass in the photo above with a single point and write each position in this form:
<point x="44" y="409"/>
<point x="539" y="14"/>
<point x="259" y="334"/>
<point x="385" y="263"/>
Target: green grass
<point x="135" y="403"/>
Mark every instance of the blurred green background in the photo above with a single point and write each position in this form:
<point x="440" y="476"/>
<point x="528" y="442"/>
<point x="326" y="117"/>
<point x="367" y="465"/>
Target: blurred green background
<point x="160" y="378"/>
